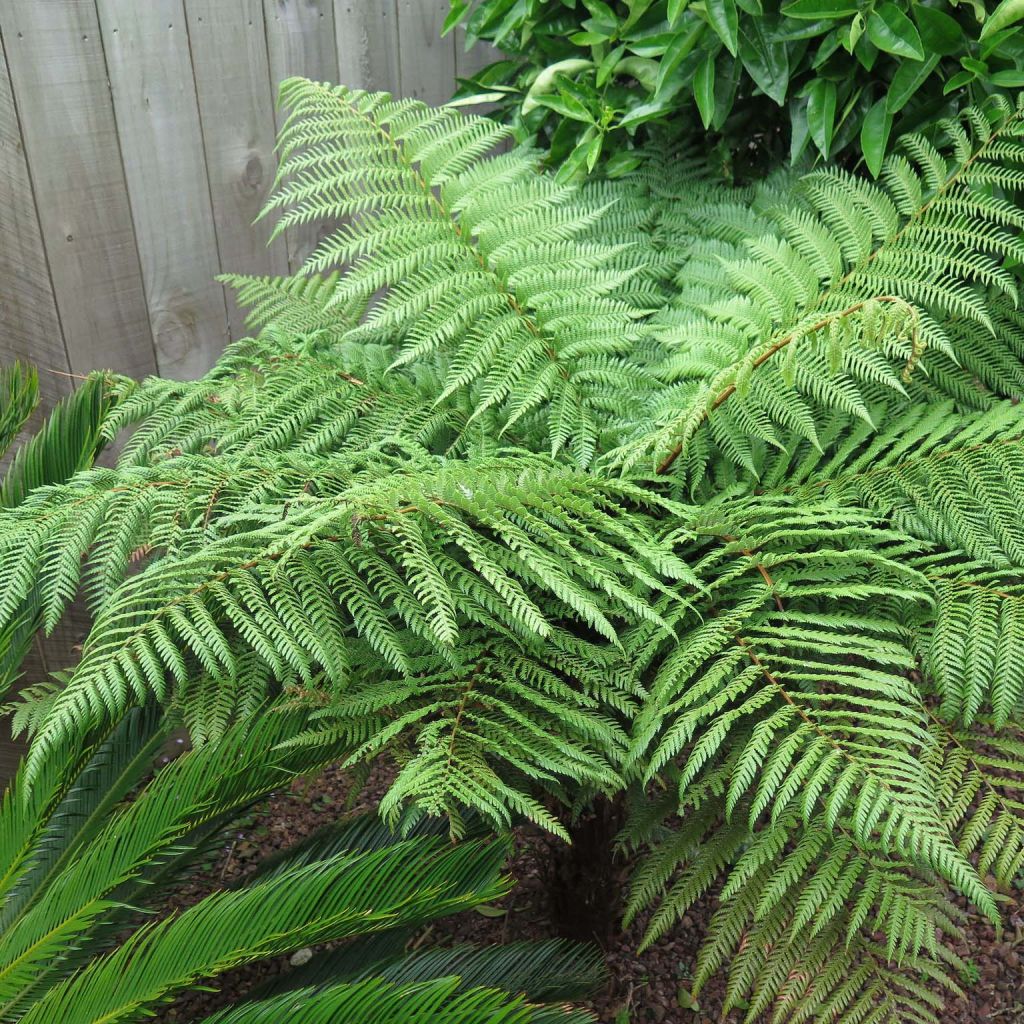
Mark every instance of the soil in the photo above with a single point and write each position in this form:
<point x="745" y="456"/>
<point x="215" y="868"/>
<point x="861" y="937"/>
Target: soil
<point x="650" y="988"/>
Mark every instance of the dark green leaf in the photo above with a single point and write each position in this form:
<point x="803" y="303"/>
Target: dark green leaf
<point x="643" y="69"/>
<point x="939" y="32"/>
<point x="727" y="82"/>
<point x="644" y="112"/>
<point x="588" y="38"/>
<point x="1009" y="12"/>
<point x="766" y="61"/>
<point x="637" y="9"/>
<point x="892" y="31"/>
<point x="1010" y="43"/>
<point x="1009" y="79"/>
<point x="545" y="81"/>
<point x="704" y="89"/>
<point x="607" y="67"/>
<point x="874" y="136"/>
<point x="567" y="106"/>
<point x="604" y="18"/>
<point x="649" y="44"/>
<point x="909" y="77"/>
<point x="856" y="30"/>
<point x="621" y="163"/>
<point x="576" y="162"/>
<point x="675" y="10"/>
<point x="808" y="30"/>
<point x="827" y="47"/>
<point x="725" y="21"/>
<point x="799" y="135"/>
<point x="958" y="81"/>
<point x="681" y="47"/>
<point x="821" y="113"/>
<point x="458" y="9"/>
<point x="814" y="9"/>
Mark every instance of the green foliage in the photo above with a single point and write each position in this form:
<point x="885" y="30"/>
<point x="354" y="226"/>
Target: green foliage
<point x="83" y="865"/>
<point x="592" y="81"/>
<point x="657" y="487"/>
<point x="369" y="1001"/>
<point x="68" y="441"/>
<point x="19" y="393"/>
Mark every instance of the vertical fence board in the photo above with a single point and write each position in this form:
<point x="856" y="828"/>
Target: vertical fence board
<point x="29" y="323"/>
<point x="300" y="41"/>
<point x="367" y="38"/>
<point x="236" y="107"/>
<point x="60" y="85"/>
<point x="427" y="62"/>
<point x="161" y="143"/>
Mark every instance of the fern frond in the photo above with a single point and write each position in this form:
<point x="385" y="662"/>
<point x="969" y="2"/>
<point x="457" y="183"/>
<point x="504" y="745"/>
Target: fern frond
<point x="530" y="310"/>
<point x="931" y="248"/>
<point x="977" y="775"/>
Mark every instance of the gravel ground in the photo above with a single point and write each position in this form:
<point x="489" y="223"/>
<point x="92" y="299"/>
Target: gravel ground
<point x="652" y="987"/>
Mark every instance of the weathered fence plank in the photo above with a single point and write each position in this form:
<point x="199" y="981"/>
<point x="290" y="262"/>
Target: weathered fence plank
<point x="151" y="80"/>
<point x="236" y="108"/>
<point x="367" y="40"/>
<point x="29" y="323"/>
<point x="427" y="67"/>
<point x="301" y="41"/>
<point x="70" y="137"/>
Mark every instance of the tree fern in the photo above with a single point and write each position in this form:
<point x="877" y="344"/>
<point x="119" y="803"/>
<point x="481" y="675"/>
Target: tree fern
<point x="658" y="487"/>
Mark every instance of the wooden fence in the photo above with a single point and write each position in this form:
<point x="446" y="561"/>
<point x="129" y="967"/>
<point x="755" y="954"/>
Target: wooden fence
<point x="136" y="148"/>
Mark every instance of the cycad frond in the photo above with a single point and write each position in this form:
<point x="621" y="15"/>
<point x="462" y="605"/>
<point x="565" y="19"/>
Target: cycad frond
<point x="19" y="394"/>
<point x="441" y="1001"/>
<point x="67" y="442"/>
<point x="80" y="861"/>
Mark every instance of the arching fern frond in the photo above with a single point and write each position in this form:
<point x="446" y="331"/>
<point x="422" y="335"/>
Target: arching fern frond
<point x="856" y="268"/>
<point x="488" y="260"/>
<point x="407" y="561"/>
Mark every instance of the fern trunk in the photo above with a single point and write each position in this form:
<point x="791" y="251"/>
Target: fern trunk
<point x="585" y="878"/>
